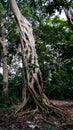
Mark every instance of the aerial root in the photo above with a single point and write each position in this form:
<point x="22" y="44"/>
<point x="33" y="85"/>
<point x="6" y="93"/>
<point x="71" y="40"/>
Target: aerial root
<point x="43" y="105"/>
<point x="28" y="112"/>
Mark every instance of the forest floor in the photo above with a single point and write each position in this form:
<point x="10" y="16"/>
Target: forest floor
<point x="37" y="121"/>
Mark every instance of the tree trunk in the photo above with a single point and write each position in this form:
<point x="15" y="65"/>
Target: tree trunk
<point x="32" y="74"/>
<point x="4" y="60"/>
<point x="6" y="68"/>
<point x="69" y="15"/>
<point x="34" y="96"/>
<point x="5" y="71"/>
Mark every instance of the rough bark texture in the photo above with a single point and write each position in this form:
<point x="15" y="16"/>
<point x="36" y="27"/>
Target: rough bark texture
<point x="34" y="96"/>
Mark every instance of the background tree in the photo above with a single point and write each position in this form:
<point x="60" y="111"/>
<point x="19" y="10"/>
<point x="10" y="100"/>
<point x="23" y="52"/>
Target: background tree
<point x="6" y="47"/>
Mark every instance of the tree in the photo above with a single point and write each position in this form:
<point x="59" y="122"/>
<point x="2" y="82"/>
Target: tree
<point x="8" y="55"/>
<point x="4" y="52"/>
<point x="4" y="59"/>
<point x="32" y="75"/>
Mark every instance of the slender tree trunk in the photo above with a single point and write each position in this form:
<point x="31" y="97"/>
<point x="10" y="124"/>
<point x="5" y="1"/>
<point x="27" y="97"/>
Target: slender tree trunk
<point x="5" y="71"/>
<point x="4" y="60"/>
<point x="6" y="68"/>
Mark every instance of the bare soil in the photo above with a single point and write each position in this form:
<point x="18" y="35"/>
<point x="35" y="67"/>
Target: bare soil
<point x="37" y="121"/>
